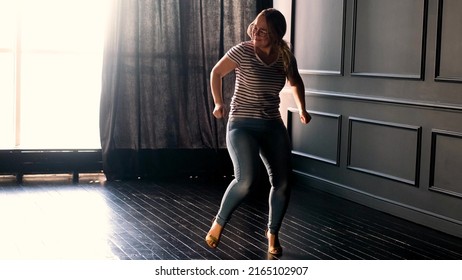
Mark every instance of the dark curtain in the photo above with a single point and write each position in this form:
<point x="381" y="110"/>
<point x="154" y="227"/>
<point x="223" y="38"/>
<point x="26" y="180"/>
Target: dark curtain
<point x="155" y="86"/>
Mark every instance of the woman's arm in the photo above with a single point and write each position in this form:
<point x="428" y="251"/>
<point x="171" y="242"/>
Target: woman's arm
<point x="221" y="69"/>
<point x="298" y="90"/>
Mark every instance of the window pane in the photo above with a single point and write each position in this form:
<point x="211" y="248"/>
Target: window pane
<point x="60" y="100"/>
<point x="7" y="23"/>
<point x="61" y="57"/>
<point x="7" y="133"/>
<point x="63" y="25"/>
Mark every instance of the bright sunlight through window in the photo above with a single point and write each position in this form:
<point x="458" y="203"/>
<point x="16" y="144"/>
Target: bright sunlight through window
<point x="50" y="69"/>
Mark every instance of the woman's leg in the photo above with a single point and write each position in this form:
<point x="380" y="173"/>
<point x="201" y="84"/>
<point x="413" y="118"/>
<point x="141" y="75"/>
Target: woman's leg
<point x="244" y="152"/>
<point x="276" y="155"/>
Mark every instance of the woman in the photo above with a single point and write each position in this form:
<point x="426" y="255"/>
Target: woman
<point x="255" y="129"/>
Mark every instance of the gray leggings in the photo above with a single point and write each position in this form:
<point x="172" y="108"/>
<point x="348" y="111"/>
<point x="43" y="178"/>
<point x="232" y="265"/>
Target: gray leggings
<point x="247" y="141"/>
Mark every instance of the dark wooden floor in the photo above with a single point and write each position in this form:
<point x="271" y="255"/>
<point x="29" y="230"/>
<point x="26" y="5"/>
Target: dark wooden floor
<point x="55" y="219"/>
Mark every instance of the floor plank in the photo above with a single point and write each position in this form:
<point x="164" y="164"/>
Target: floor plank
<point x="168" y="219"/>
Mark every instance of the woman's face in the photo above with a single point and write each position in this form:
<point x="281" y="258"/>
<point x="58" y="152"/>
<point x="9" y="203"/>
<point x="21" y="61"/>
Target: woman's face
<point x="260" y="33"/>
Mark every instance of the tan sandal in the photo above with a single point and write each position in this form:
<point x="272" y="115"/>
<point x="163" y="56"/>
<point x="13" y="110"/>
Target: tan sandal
<point x="211" y="240"/>
<point x="275" y="250"/>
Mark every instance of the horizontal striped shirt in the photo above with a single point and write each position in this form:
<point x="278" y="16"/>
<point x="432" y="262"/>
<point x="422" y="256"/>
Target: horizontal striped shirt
<point x="258" y="85"/>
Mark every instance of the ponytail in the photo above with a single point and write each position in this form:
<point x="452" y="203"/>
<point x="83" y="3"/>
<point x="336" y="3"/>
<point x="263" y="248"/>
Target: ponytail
<point x="287" y="56"/>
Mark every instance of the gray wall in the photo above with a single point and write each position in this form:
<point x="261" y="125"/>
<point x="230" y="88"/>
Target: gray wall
<point x="384" y="85"/>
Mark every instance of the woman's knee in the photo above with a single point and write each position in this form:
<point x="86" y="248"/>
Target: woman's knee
<point x="243" y="187"/>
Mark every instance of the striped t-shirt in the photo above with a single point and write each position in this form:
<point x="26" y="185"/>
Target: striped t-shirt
<point x="257" y="88"/>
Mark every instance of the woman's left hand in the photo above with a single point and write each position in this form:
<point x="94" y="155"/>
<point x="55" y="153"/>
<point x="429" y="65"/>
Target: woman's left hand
<point x="305" y="117"/>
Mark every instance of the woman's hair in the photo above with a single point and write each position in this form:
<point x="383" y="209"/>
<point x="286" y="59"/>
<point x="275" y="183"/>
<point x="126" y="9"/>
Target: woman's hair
<point x="277" y="28"/>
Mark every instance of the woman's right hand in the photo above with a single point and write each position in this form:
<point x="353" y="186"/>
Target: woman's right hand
<point x="219" y="111"/>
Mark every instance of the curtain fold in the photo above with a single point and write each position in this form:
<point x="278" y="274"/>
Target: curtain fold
<point x="155" y="84"/>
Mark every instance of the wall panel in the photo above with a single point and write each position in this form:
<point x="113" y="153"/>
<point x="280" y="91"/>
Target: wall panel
<point x="320" y="140"/>
<point x="319" y="33"/>
<point x="449" y="43"/>
<point x="446" y="162"/>
<point x="389" y="38"/>
<point x="385" y="149"/>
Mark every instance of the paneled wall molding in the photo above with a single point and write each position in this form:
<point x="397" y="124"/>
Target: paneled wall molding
<point x="322" y="139"/>
<point x="383" y="100"/>
<point x="446" y="163"/>
<point x="382" y="149"/>
<point x="319" y="72"/>
<point x="318" y="36"/>
<point x="448" y="66"/>
<point x="406" y="211"/>
<point x="398" y="100"/>
<point x="389" y="38"/>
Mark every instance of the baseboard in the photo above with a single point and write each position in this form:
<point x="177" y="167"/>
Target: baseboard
<point x="19" y="162"/>
<point x="407" y="212"/>
<point x="128" y="164"/>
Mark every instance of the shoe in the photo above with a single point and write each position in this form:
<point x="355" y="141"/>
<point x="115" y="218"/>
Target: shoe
<point x="211" y="240"/>
<point x="276" y="249"/>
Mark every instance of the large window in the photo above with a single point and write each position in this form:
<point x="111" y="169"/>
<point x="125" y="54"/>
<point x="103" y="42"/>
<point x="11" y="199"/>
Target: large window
<point x="50" y="73"/>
